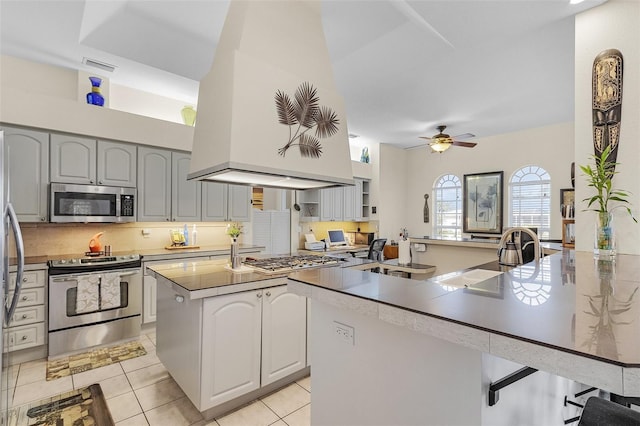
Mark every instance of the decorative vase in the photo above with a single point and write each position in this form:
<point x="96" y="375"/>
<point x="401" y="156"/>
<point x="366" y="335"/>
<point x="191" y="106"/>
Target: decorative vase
<point x="605" y="238"/>
<point x="235" y="257"/>
<point x="94" y="97"/>
<point x="188" y="115"/>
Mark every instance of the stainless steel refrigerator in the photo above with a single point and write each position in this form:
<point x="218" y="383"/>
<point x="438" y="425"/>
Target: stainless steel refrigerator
<point x="11" y="235"/>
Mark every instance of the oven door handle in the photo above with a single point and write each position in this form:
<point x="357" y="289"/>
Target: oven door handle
<point x="75" y="277"/>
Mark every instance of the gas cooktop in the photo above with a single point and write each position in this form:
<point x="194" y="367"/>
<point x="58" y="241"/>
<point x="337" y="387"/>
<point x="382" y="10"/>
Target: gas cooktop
<point x="277" y="265"/>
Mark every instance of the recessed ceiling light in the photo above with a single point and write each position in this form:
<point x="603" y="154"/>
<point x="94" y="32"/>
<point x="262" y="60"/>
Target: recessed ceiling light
<point x="575" y="1"/>
<point x="98" y="64"/>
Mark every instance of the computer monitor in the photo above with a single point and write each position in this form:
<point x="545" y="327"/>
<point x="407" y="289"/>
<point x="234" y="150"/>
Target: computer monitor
<point x="336" y="237"/>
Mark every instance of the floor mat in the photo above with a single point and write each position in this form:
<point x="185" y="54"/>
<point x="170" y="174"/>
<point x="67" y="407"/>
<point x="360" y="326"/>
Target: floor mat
<point x="79" y="407"/>
<point x="78" y="363"/>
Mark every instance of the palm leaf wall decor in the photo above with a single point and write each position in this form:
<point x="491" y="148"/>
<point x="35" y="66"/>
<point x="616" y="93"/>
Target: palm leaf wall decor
<point x="305" y="112"/>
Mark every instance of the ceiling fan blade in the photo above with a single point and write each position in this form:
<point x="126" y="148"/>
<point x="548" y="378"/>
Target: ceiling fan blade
<point x="424" y="137"/>
<point x="464" y="144"/>
<point x="464" y="136"/>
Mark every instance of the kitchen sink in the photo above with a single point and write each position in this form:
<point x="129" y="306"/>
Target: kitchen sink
<point x="468" y="278"/>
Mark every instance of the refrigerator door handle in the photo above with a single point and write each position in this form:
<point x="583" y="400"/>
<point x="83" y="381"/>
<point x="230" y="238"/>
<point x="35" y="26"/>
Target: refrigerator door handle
<point x="15" y="226"/>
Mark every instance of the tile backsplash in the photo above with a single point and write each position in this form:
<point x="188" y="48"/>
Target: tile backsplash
<point x="59" y="239"/>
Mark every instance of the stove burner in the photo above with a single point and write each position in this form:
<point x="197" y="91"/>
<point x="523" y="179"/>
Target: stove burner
<point x="290" y="263"/>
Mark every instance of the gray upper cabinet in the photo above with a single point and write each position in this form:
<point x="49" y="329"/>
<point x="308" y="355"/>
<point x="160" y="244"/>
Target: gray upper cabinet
<point x="26" y="171"/>
<point x="332" y="204"/>
<point x="224" y="202"/>
<point x="214" y="201"/>
<point x="239" y="203"/>
<point x="87" y="161"/>
<point x="116" y="164"/>
<point x="154" y="185"/>
<point x="186" y="196"/>
<point x="73" y="159"/>
<point x="349" y="210"/>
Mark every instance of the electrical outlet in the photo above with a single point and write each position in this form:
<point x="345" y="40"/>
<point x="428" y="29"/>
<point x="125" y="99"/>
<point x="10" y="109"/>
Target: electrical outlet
<point x="344" y="332"/>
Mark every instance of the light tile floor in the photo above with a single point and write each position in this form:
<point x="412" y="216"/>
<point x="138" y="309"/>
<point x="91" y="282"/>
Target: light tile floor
<point x="140" y="392"/>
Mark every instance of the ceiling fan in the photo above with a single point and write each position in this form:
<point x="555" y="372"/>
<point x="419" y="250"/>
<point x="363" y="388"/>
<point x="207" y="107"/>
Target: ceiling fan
<point x="442" y="142"/>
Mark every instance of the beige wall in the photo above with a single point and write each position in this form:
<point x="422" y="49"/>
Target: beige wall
<point x="392" y="203"/>
<point x="549" y="147"/>
<point x="613" y="25"/>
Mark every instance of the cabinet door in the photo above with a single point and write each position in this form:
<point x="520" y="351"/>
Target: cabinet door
<point x="284" y="322"/>
<point x="338" y="203"/>
<point x="116" y="164"/>
<point x="149" y="299"/>
<point x="349" y="208"/>
<point x="239" y="203"/>
<point x="214" y="201"/>
<point x="186" y="196"/>
<point x="73" y="159"/>
<point x="326" y="204"/>
<point x="26" y="171"/>
<point x="154" y="185"/>
<point x="230" y="347"/>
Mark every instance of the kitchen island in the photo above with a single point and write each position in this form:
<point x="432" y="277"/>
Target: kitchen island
<point x="392" y="351"/>
<point x="229" y="337"/>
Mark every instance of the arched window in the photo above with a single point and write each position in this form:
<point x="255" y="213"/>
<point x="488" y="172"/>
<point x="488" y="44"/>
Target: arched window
<point x="447" y="207"/>
<point x="530" y="203"/>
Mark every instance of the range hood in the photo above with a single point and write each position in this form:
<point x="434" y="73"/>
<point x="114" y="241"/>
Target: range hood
<point x="269" y="113"/>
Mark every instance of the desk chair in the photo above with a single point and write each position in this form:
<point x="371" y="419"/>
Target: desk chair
<point x="375" y="251"/>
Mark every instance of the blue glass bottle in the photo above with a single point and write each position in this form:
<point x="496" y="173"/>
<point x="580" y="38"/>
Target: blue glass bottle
<point x="94" y="97"/>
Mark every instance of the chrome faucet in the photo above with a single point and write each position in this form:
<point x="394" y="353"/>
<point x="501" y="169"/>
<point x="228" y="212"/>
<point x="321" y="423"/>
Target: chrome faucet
<point x="536" y="242"/>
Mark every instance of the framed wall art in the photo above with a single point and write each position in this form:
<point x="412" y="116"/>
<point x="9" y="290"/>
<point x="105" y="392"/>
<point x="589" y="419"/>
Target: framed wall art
<point x="482" y="203"/>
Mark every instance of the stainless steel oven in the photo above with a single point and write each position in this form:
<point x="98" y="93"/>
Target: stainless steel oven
<point x="93" y="302"/>
<point x="92" y="203"/>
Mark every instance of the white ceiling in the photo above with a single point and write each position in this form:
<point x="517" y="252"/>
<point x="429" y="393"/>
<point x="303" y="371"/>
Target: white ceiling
<point x="403" y="67"/>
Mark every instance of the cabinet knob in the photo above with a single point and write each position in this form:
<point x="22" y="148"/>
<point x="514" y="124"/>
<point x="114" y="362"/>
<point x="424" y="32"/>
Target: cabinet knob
<point x="268" y="294"/>
<point x="179" y="298"/>
<point x="90" y="180"/>
<point x="24" y="279"/>
<point x="99" y="182"/>
<point x="42" y="219"/>
<point x="24" y="337"/>
<point x="167" y="219"/>
<point x="259" y="295"/>
<point x="25" y="316"/>
<point x="25" y="298"/>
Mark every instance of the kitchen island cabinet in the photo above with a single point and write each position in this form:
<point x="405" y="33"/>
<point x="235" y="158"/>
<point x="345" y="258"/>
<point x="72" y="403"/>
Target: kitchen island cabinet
<point x="227" y="338"/>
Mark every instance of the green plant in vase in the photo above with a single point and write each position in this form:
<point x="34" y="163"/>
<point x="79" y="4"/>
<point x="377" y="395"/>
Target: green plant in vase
<point x="605" y="201"/>
<point x="234" y="230"/>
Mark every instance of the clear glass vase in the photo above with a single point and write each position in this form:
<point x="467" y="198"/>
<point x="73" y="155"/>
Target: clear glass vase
<point x="605" y="236"/>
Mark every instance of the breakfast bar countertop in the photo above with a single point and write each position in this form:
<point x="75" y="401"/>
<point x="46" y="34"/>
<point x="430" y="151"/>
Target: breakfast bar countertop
<point x="570" y="314"/>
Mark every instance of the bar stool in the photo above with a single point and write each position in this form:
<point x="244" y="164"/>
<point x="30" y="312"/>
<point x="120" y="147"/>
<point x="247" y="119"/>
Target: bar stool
<point x="600" y="412"/>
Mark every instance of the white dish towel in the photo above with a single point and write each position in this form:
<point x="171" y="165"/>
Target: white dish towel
<point x="110" y="290"/>
<point x="87" y="293"/>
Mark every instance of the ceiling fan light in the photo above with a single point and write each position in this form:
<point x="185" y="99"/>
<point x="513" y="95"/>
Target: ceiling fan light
<point x="440" y="146"/>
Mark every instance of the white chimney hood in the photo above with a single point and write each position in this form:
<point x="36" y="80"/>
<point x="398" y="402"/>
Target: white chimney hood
<point x="268" y="110"/>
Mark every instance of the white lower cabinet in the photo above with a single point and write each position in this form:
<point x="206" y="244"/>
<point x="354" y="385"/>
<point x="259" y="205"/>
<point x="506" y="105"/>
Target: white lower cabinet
<point x="149" y="290"/>
<point x="230" y="347"/>
<point x="247" y="341"/>
<point x="284" y="331"/>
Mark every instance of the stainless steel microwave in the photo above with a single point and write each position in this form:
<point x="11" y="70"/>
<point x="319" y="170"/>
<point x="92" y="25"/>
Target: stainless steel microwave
<point x="92" y="203"/>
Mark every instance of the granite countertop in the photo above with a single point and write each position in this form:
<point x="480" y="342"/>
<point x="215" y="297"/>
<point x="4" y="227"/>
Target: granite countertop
<point x="568" y="301"/>
<point x="150" y="254"/>
<point x="208" y="278"/>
